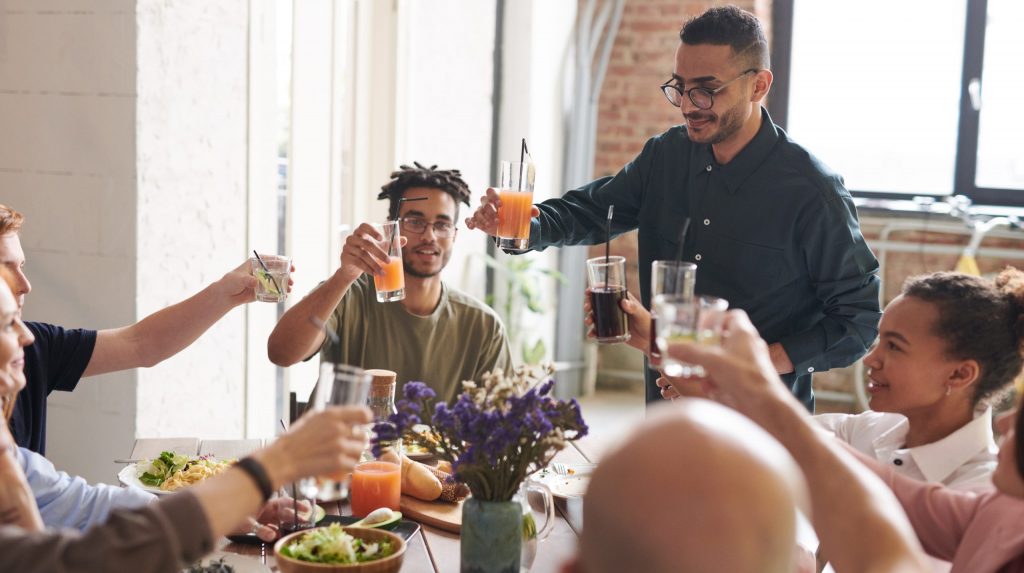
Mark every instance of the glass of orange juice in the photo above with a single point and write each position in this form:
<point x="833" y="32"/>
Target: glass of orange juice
<point x="515" y="189"/>
<point x="377" y="483"/>
<point x="390" y="285"/>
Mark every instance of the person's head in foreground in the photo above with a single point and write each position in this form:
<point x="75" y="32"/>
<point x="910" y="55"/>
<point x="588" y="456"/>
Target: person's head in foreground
<point x="948" y="344"/>
<point x="12" y="257"/>
<point x="721" y="74"/>
<point x="697" y="487"/>
<point x="428" y="222"/>
<point x="13" y="337"/>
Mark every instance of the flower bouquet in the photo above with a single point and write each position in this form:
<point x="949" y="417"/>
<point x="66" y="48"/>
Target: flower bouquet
<point x="495" y="433"/>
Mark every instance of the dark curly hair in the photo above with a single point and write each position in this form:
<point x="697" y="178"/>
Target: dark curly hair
<point x="980" y="320"/>
<point x="728" y="25"/>
<point x="447" y="180"/>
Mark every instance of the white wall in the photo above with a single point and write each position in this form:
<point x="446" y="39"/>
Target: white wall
<point x="67" y="107"/>
<point x="191" y="159"/>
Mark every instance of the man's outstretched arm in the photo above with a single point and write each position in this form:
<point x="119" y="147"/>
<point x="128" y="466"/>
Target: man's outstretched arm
<point x="170" y="330"/>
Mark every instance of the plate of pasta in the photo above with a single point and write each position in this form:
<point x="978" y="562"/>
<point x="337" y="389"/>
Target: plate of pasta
<point x="171" y="472"/>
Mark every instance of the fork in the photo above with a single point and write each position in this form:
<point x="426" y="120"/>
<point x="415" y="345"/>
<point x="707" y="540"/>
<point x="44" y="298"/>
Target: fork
<point x="573" y="469"/>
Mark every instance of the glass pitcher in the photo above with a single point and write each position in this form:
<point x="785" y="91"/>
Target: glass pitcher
<point x="532" y="536"/>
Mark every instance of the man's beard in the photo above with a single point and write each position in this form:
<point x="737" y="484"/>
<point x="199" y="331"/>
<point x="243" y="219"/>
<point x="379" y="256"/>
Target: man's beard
<point x="728" y="124"/>
<point x="408" y="267"/>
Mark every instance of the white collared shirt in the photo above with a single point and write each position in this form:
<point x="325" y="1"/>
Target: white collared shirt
<point x="963" y="460"/>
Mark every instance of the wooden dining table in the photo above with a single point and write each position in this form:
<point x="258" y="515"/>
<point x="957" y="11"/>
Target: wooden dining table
<point x="430" y="550"/>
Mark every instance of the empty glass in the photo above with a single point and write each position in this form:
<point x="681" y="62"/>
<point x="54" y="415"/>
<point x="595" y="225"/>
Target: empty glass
<point x="687" y="320"/>
<point x="338" y="385"/>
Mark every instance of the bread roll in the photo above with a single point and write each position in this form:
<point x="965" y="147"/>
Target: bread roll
<point x="418" y="482"/>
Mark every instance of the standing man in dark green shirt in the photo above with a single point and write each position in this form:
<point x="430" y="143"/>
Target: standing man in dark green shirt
<point x="773" y="230"/>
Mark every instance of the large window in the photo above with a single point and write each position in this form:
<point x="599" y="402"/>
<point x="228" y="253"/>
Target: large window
<point x="912" y="97"/>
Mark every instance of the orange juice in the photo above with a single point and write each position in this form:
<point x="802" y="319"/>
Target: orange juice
<point x="394" y="276"/>
<point x="514" y="215"/>
<point x="375" y="484"/>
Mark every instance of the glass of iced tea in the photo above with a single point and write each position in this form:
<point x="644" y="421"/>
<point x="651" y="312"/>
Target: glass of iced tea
<point x="674" y="278"/>
<point x="390" y="285"/>
<point x="694" y="320"/>
<point x="607" y="277"/>
<point x="515" y="189"/>
<point x="272" y="276"/>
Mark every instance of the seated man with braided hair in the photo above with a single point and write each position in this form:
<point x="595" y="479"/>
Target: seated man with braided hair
<point x="437" y="334"/>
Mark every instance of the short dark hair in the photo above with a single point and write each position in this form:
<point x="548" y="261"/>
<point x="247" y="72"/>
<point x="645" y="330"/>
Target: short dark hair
<point x="450" y="181"/>
<point x="728" y="25"/>
<point x="980" y="320"/>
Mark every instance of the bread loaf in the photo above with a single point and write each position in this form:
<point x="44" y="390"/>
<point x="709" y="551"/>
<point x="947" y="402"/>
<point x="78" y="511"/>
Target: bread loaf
<point x="418" y="482"/>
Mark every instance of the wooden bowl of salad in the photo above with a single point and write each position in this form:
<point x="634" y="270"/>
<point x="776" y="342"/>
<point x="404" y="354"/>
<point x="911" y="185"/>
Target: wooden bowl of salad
<point x="338" y="548"/>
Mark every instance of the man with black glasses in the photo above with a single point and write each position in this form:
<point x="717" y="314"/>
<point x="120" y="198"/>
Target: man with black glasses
<point x="772" y="229"/>
<point x="436" y="334"/>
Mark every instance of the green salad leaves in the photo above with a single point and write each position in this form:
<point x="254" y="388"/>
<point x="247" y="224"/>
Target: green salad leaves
<point x="332" y="544"/>
<point x="162" y="468"/>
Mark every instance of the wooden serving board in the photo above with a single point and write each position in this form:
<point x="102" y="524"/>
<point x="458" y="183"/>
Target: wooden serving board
<point x="440" y="514"/>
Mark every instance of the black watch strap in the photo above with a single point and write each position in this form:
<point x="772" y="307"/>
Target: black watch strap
<point x="258" y="474"/>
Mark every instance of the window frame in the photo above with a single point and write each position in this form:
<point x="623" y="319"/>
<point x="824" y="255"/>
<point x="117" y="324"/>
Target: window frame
<point x="965" y="169"/>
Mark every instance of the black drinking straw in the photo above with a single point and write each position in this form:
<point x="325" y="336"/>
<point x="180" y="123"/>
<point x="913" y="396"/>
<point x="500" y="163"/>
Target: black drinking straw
<point x="682" y="239"/>
<point x="295" y="502"/>
<point x="608" y="245"/>
<point x="523" y="154"/>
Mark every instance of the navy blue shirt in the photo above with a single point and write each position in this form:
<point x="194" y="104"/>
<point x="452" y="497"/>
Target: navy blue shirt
<point x="774" y="232"/>
<point x="55" y="361"/>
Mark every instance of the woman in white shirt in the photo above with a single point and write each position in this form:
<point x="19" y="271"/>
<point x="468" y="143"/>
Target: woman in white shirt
<point x="946" y="350"/>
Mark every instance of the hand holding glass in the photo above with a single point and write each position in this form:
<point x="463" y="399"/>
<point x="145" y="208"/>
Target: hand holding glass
<point x="687" y="320"/>
<point x="607" y="276"/>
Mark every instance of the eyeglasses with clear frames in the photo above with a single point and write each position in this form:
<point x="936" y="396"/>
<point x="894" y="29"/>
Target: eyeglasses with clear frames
<point x="417" y="226"/>
<point x="702" y="98"/>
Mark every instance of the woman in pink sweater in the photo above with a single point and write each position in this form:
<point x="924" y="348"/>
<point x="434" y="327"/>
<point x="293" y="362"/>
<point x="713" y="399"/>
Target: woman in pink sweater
<point x="979" y="533"/>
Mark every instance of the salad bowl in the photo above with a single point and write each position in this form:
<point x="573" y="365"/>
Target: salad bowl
<point x="390" y="564"/>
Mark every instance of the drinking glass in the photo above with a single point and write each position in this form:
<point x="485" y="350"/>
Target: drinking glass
<point x="687" y="320"/>
<point x="377" y="481"/>
<point x="272" y="281"/>
<point x="674" y="278"/>
<point x="607" y="276"/>
<point x="338" y="385"/>
<point x="391" y="285"/>
<point x="515" y="189"/>
<point x="297" y="508"/>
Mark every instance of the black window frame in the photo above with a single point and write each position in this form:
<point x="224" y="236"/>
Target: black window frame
<point x="965" y="170"/>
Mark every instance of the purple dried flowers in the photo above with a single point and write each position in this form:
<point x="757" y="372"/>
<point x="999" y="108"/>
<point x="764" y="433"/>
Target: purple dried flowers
<point x="494" y="433"/>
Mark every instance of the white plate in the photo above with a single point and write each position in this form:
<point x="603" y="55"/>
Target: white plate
<point x="565" y="487"/>
<point x="129" y="477"/>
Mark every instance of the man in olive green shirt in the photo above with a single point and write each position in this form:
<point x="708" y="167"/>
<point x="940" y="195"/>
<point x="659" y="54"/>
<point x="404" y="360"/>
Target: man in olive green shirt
<point x="436" y="334"/>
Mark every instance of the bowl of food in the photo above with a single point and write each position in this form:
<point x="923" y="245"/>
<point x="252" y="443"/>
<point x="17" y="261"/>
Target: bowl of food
<point x="339" y="548"/>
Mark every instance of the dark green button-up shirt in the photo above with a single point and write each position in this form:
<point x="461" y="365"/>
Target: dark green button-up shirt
<point x="774" y="232"/>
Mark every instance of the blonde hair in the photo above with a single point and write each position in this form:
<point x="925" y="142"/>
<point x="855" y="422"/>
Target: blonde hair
<point x="10" y="221"/>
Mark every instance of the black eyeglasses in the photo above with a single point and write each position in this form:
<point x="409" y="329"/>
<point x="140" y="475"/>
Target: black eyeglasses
<point x="702" y="98"/>
<point x="417" y="225"/>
